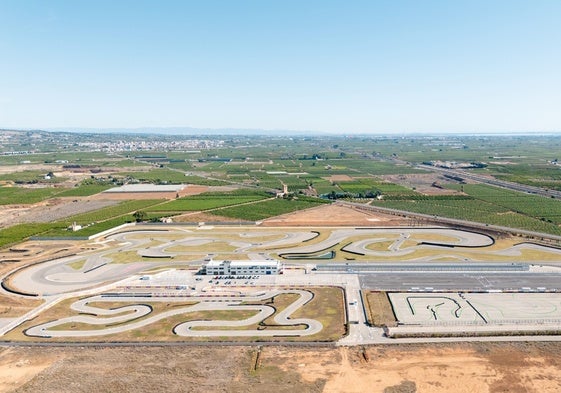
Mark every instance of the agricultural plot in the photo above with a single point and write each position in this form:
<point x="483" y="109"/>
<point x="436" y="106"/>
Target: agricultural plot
<point x="107" y="213"/>
<point x="17" y="233"/>
<point x="20" y="195"/>
<point x="84" y="190"/>
<point x="204" y="202"/>
<point x="324" y="186"/>
<point x="293" y="183"/>
<point x="531" y="205"/>
<point x="534" y="174"/>
<point x="371" y="186"/>
<point x="78" y="157"/>
<point x="473" y="210"/>
<point x="98" y="220"/>
<point x="166" y="176"/>
<point x="269" y="208"/>
<point x="29" y="176"/>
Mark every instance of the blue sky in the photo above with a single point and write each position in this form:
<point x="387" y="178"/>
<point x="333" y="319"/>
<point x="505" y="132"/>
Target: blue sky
<point x="338" y="66"/>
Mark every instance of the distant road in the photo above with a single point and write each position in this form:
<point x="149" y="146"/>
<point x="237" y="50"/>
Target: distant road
<point x="494" y="182"/>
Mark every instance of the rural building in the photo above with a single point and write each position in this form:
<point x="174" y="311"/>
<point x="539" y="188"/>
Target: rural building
<point x="236" y="268"/>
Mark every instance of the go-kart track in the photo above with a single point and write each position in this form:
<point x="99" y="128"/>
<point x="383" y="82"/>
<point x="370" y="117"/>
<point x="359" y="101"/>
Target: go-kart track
<point x="138" y="311"/>
<point x="161" y="261"/>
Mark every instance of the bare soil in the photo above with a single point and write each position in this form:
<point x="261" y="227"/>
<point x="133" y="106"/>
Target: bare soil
<point x="379" y="309"/>
<point x="425" y="183"/>
<point x="335" y="215"/>
<point x="338" y="178"/>
<point x="438" y="368"/>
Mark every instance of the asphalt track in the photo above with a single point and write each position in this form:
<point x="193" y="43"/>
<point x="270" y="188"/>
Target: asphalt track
<point x="56" y="277"/>
<point x="121" y="315"/>
<point x="480" y="281"/>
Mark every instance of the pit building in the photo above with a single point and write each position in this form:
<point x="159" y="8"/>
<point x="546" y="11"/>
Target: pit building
<point x="238" y="268"/>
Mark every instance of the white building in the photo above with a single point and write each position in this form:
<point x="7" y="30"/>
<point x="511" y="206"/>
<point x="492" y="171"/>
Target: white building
<point x="237" y="268"/>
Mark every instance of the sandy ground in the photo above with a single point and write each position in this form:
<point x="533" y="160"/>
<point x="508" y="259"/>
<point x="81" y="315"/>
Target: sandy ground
<point x="333" y="215"/>
<point x="438" y="368"/>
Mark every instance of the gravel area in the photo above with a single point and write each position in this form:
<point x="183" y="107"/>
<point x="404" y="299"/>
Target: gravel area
<point x="62" y="208"/>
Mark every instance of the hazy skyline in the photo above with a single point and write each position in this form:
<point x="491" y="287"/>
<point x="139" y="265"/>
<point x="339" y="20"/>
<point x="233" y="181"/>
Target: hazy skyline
<point x="353" y="67"/>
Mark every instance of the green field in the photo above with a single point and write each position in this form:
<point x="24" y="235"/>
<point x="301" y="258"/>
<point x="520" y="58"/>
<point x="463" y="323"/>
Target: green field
<point x="268" y="208"/>
<point x="372" y="186"/>
<point x="30" y="177"/>
<point x="60" y="229"/>
<point x="472" y="210"/>
<point x="84" y="190"/>
<point x="166" y="176"/>
<point x="17" y="233"/>
<point x="309" y="163"/>
<point x="206" y="202"/>
<point x="20" y="195"/>
<point x="123" y="208"/>
<point x="546" y="209"/>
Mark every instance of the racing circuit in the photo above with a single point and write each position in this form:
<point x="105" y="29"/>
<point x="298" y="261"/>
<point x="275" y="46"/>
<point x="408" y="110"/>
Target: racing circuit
<point x="125" y="315"/>
<point x="125" y="254"/>
<point x="419" y="260"/>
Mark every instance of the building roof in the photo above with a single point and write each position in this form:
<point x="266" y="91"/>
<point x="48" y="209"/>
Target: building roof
<point x="247" y="263"/>
<point x="147" y="188"/>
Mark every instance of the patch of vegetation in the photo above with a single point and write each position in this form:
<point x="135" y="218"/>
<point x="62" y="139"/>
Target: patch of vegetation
<point x="61" y="229"/>
<point x="84" y="190"/>
<point x="473" y="210"/>
<point x="166" y="176"/>
<point x="379" y="309"/>
<point x="17" y="233"/>
<point x="20" y="195"/>
<point x="545" y="209"/>
<point x="30" y="177"/>
<point x="209" y="201"/>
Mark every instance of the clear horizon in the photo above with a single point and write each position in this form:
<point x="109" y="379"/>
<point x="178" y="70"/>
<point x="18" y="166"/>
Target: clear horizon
<point x="337" y="67"/>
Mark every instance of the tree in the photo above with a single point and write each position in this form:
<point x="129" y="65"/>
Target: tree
<point x="140" y="216"/>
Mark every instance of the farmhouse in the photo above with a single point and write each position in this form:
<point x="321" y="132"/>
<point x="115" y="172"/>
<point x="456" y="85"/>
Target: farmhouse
<point x="234" y="268"/>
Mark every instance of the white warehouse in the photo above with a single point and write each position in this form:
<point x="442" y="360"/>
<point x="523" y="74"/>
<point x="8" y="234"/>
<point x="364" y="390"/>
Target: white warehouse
<point x="236" y="268"/>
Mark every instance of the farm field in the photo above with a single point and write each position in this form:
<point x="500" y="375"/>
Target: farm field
<point x="331" y="166"/>
<point x="475" y="210"/>
<point x="266" y="209"/>
<point x="207" y="201"/>
<point x="21" y="195"/>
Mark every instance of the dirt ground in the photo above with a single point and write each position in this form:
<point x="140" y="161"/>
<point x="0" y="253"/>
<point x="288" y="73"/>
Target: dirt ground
<point x="338" y="178"/>
<point x="458" y="368"/>
<point x="334" y="215"/>
<point x="50" y="210"/>
<point x="425" y="183"/>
